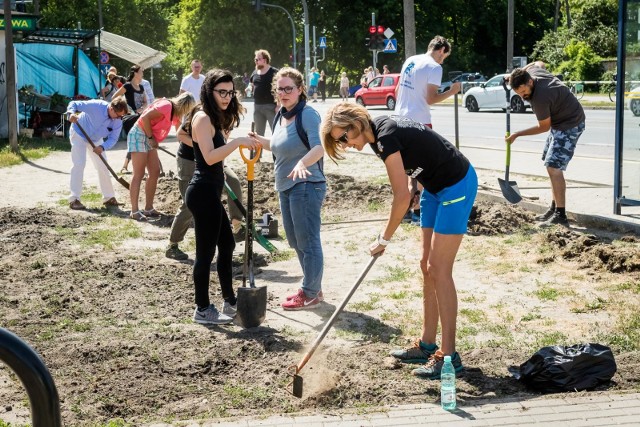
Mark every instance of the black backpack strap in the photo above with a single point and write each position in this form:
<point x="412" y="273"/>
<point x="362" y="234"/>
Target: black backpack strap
<point x="302" y="134"/>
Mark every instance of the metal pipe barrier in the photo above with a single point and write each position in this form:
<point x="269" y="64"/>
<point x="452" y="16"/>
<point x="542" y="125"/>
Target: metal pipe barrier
<point x="35" y="377"/>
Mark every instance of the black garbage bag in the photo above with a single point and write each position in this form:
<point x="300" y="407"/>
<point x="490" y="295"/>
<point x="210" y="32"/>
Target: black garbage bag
<point x="558" y="368"/>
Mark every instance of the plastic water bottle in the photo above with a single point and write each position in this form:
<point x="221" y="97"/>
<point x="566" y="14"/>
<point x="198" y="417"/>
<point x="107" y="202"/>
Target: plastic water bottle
<point x="448" y="385"/>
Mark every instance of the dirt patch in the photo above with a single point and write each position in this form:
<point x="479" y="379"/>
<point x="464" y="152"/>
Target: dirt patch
<point x="114" y="324"/>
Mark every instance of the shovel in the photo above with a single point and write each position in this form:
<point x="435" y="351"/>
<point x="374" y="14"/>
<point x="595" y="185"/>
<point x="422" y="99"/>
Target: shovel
<point x="510" y="189"/>
<point x="452" y="75"/>
<point x="295" y="369"/>
<point x="121" y="180"/>
<point x="252" y="301"/>
<point x="262" y="241"/>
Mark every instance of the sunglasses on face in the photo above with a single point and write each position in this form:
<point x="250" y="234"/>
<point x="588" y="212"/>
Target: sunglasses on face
<point x="343" y="139"/>
<point x="286" y="89"/>
<point x="225" y="93"/>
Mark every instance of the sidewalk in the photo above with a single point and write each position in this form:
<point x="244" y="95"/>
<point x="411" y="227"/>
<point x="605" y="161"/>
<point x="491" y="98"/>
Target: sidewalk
<point x="581" y="409"/>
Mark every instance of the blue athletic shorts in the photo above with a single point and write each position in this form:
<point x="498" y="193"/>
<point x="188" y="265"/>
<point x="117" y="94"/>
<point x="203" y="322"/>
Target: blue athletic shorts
<point x="560" y="146"/>
<point x="447" y="212"/>
<point x="137" y="141"/>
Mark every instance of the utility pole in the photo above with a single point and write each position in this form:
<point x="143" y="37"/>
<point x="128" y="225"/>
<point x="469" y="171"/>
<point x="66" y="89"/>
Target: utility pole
<point x="307" y="58"/>
<point x="11" y="78"/>
<point x="374" y="52"/>
<point x="409" y="29"/>
<point x="510" y="13"/>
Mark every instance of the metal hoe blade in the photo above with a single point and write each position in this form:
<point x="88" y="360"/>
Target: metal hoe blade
<point x="510" y="189"/>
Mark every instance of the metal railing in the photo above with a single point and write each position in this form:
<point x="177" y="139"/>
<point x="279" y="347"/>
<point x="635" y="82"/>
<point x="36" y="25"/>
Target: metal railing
<point x="29" y="367"/>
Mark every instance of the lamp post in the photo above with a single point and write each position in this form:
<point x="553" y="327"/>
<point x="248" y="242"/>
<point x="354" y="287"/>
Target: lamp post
<point x="293" y="30"/>
<point x="306" y="42"/>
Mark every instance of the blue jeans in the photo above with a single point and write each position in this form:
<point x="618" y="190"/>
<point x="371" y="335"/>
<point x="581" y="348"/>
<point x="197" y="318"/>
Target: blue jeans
<point x="300" y="206"/>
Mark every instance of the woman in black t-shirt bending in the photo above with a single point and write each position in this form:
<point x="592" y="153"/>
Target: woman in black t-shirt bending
<point x="450" y="186"/>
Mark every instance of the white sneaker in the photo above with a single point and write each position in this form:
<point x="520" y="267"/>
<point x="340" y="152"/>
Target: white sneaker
<point x="211" y="316"/>
<point x="229" y="310"/>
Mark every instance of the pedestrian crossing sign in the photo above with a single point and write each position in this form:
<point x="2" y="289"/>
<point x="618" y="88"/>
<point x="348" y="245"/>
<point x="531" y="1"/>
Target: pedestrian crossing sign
<point x="390" y="46"/>
<point x="323" y="42"/>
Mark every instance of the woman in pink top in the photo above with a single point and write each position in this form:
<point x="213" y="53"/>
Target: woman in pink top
<point x="152" y="127"/>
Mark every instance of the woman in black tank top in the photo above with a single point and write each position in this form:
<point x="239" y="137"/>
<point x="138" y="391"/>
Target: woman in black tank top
<point x="220" y="112"/>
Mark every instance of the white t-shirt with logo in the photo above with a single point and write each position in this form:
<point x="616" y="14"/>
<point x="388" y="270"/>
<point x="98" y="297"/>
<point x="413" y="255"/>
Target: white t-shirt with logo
<point x="417" y="72"/>
<point x="193" y="85"/>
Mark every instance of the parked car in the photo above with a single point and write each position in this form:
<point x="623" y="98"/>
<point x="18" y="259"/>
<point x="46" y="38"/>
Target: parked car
<point x="491" y="95"/>
<point x="633" y="101"/>
<point x="379" y="91"/>
<point x="468" y="80"/>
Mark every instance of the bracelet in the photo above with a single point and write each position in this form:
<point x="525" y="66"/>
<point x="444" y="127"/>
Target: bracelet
<point x="381" y="240"/>
<point x="150" y="137"/>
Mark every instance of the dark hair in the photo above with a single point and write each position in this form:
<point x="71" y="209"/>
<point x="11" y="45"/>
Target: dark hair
<point x="518" y="78"/>
<point x="134" y="69"/>
<point x="439" y="42"/>
<point x="224" y="120"/>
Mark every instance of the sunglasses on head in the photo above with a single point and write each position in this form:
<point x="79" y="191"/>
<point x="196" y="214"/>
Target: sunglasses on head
<point x="225" y="93"/>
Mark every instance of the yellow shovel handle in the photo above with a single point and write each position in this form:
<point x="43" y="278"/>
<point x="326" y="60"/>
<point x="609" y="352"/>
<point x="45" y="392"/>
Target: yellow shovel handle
<point x="250" y="161"/>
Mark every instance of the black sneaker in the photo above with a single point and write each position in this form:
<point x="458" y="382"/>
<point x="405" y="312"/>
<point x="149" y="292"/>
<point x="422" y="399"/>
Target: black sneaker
<point x="545" y="216"/>
<point x="174" y="252"/>
<point x="556" y="219"/>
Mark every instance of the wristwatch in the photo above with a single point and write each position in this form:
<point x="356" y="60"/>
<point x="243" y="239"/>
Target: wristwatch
<point x="381" y="240"/>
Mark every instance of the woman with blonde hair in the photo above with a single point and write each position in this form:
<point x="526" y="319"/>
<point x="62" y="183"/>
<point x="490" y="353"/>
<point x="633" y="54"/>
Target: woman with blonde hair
<point x="450" y="186"/>
<point x="152" y="127"/>
<point x="300" y="182"/>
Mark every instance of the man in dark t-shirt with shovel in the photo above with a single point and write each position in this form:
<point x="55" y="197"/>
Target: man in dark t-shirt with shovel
<point x="558" y="112"/>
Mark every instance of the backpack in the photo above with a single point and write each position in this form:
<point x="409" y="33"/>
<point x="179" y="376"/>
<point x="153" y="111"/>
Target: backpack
<point x="302" y="134"/>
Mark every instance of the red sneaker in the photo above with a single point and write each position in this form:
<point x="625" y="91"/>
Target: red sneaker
<point x="301" y="293"/>
<point x="301" y="302"/>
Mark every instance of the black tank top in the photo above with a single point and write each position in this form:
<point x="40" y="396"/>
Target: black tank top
<point x="204" y="173"/>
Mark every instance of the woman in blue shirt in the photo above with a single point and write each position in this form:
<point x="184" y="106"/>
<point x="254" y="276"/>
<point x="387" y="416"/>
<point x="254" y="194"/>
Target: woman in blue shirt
<point x="300" y="182"/>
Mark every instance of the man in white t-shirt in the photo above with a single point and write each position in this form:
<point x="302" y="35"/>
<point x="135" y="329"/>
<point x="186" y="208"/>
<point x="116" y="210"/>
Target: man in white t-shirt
<point x="193" y="82"/>
<point x="417" y="89"/>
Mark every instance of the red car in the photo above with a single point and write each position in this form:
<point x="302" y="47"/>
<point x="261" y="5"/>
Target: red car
<point x="379" y="91"/>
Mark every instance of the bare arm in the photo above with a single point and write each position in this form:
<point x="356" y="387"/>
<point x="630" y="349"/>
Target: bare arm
<point x="401" y="199"/>
<point x="543" y="126"/>
<point x="313" y="156"/>
<point x="433" y="97"/>
<point x="119" y="92"/>
<point x="204" y="132"/>
<point x="146" y="119"/>
<point x="184" y="137"/>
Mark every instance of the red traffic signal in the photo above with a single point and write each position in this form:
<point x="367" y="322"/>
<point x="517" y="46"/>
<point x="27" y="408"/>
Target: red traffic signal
<point x="372" y="29"/>
<point x="380" y="29"/>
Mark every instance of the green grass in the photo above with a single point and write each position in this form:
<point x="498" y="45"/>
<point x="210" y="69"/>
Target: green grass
<point x="282" y="255"/>
<point x="112" y="232"/>
<point x="630" y="286"/>
<point x="626" y="333"/>
<point x="30" y="149"/>
<point x="239" y="395"/>
<point x="550" y="338"/>
<point x="366" y="305"/>
<point x="595" y="305"/>
<point x="395" y="274"/>
<point x="375" y="206"/>
<point x="530" y="316"/>
<point x="473" y="315"/>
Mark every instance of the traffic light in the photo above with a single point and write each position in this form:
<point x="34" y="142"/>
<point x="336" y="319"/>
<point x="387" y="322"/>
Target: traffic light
<point x="380" y="38"/>
<point x="371" y="41"/>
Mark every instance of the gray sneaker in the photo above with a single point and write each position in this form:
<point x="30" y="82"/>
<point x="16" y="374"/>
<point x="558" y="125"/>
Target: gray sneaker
<point x="211" y="316"/>
<point x="416" y="354"/>
<point x="174" y="252"/>
<point x="229" y="310"/>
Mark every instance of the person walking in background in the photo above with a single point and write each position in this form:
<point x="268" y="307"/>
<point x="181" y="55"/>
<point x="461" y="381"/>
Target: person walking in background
<point x="385" y="69"/>
<point x="300" y="182"/>
<point x="417" y="89"/>
<point x="110" y="88"/>
<point x="314" y="78"/>
<point x="218" y="112"/>
<point x="100" y="119"/>
<point x="148" y="90"/>
<point x="264" y="107"/>
<point x="152" y="127"/>
<point x="558" y="112"/>
<point x="322" y="86"/>
<point x="450" y="187"/>
<point x="370" y="74"/>
<point x="344" y="87"/>
<point x="193" y="82"/>
<point x="137" y="100"/>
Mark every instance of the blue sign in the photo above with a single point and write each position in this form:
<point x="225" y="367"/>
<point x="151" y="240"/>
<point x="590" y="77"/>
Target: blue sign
<point x="104" y="68"/>
<point x="323" y="42"/>
<point x="390" y="46"/>
<point x="104" y="57"/>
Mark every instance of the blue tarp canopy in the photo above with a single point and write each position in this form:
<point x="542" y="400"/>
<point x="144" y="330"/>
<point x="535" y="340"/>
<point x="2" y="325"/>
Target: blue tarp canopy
<point x="49" y="68"/>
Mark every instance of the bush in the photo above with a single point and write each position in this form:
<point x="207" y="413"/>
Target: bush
<point x="581" y="64"/>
